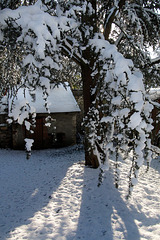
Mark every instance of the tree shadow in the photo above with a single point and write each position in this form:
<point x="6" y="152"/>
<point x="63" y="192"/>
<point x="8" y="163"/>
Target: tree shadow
<point x="103" y="213"/>
<point x="64" y="202"/>
<point x="27" y="185"/>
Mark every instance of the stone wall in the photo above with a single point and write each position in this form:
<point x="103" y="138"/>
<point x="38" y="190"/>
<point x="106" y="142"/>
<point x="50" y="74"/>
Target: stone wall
<point x="65" y="128"/>
<point x="78" y="94"/>
<point x="61" y="133"/>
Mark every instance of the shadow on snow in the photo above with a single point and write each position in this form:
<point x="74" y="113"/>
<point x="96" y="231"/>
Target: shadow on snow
<point x="103" y="213"/>
<point x="27" y="185"/>
<point x="82" y="210"/>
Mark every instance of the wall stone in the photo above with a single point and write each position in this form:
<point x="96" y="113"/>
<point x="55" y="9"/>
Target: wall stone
<point x="66" y="128"/>
<point x="78" y="94"/>
<point x="18" y="135"/>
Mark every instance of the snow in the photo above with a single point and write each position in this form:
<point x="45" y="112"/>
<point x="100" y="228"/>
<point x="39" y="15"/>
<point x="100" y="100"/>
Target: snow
<point x="135" y="120"/>
<point x="136" y="96"/>
<point x="154" y="93"/>
<point x="136" y="83"/>
<point x="27" y="124"/>
<point x="60" y="99"/>
<point x="116" y="100"/>
<point x="29" y="143"/>
<point x="54" y="196"/>
<point x="21" y="106"/>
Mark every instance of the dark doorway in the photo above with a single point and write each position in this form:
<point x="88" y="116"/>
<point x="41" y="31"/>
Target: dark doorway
<point x="38" y="134"/>
<point x="60" y="139"/>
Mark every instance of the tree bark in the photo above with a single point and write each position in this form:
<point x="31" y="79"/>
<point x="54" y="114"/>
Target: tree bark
<point x="88" y="81"/>
<point x="90" y="158"/>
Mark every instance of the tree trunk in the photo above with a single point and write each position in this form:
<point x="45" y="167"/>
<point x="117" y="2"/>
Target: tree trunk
<point x="90" y="158"/>
<point x="88" y="81"/>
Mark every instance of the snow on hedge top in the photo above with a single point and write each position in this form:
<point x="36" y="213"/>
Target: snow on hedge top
<point x="60" y="100"/>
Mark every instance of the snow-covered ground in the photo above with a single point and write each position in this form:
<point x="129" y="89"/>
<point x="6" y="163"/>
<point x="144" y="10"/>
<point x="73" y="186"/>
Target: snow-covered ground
<point x="54" y="196"/>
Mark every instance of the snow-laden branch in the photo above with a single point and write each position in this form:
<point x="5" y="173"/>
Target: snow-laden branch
<point x="119" y="119"/>
<point x="40" y="30"/>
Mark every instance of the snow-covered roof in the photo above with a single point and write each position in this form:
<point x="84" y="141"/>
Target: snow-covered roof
<point x="60" y="100"/>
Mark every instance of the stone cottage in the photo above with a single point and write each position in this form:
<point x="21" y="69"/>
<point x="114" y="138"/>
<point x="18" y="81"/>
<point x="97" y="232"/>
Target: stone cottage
<point x="60" y="131"/>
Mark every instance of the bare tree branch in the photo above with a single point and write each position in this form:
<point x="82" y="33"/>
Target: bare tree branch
<point x="67" y="47"/>
<point x="118" y="41"/>
<point x="110" y="18"/>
